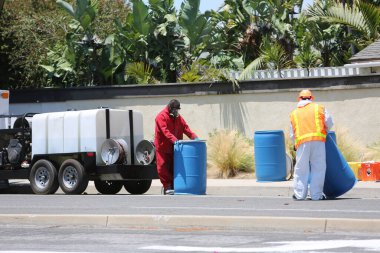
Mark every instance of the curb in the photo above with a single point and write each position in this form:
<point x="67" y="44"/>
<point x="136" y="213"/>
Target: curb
<point x="227" y="188"/>
<point x="189" y="223"/>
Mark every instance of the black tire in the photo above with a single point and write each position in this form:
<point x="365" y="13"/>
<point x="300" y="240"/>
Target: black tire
<point x="4" y="184"/>
<point x="108" y="187"/>
<point x="72" y="177"/>
<point x="43" y="177"/>
<point x="137" y="186"/>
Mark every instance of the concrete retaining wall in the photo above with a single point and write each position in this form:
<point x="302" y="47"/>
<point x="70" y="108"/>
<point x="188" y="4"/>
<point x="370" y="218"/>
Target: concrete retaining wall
<point x="353" y="102"/>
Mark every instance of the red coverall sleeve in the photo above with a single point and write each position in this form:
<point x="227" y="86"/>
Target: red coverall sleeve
<point x="164" y="129"/>
<point x="187" y="131"/>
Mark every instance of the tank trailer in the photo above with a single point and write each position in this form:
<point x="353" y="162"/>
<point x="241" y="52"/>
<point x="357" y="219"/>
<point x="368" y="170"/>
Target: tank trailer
<point x="68" y="149"/>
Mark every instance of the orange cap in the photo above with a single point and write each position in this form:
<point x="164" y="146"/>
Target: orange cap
<point x="305" y="94"/>
<point x="5" y="94"/>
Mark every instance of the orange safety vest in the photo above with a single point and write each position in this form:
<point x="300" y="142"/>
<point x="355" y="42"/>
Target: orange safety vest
<point x="308" y="123"/>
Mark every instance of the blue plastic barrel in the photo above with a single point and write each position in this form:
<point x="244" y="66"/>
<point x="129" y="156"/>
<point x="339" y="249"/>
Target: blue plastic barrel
<point x="190" y="175"/>
<point x="339" y="177"/>
<point x="333" y="135"/>
<point x="270" y="157"/>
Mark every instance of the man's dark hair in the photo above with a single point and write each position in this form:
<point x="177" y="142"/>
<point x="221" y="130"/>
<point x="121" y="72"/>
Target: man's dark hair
<point x="174" y="103"/>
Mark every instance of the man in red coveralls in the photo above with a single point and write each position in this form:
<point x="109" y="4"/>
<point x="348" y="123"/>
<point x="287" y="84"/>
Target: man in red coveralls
<point x="169" y="128"/>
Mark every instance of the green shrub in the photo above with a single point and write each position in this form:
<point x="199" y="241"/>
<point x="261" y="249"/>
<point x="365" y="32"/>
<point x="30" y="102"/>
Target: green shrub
<point x="229" y="152"/>
<point x="30" y="29"/>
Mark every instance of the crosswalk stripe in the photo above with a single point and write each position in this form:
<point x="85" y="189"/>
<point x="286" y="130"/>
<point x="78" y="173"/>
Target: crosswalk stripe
<point x="290" y="246"/>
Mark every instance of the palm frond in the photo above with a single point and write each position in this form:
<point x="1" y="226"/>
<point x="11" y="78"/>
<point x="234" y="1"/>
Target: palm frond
<point x="371" y="14"/>
<point x="361" y="17"/>
<point x="189" y="12"/>
<point x="254" y="65"/>
<point x="140" y="16"/>
<point x="67" y="7"/>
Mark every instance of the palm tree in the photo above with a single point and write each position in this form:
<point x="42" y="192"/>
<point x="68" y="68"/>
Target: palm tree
<point x="195" y="27"/>
<point x="363" y="18"/>
<point x="159" y="37"/>
<point x="306" y="55"/>
<point x="242" y="25"/>
<point x="80" y="54"/>
<point x="272" y="56"/>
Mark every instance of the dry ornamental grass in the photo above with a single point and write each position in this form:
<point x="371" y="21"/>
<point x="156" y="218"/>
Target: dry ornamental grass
<point x="229" y="153"/>
<point x="352" y="149"/>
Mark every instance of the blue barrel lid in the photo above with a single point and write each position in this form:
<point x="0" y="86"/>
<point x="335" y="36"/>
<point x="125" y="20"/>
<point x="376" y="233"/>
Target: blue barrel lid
<point x="187" y="141"/>
<point x="269" y="131"/>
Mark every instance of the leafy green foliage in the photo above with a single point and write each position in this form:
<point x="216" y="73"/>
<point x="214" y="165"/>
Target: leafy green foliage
<point x="307" y="59"/>
<point x="362" y="17"/>
<point x="195" y="27"/>
<point x="153" y="34"/>
<point x="200" y="71"/>
<point x="233" y="36"/>
<point x="166" y="40"/>
<point x="273" y="56"/>
<point x="98" y="42"/>
<point x="348" y="27"/>
<point x="140" y="72"/>
<point x="27" y="29"/>
<point x="241" y="26"/>
<point x="39" y="33"/>
<point x="61" y="67"/>
<point x="306" y="56"/>
<point x="86" y="59"/>
<point x="190" y="76"/>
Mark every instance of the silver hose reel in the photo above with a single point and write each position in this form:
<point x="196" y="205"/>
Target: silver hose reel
<point x="145" y="152"/>
<point x="114" y="151"/>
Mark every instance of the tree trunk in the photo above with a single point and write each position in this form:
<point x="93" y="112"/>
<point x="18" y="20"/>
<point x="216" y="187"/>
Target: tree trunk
<point x="1" y="5"/>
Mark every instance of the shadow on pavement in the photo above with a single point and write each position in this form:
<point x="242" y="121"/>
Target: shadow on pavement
<point x="17" y="189"/>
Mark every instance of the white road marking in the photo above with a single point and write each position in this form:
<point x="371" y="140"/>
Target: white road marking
<point x="369" y="245"/>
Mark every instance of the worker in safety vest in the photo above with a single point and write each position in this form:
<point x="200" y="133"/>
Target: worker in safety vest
<point x="310" y="123"/>
<point x="169" y="128"/>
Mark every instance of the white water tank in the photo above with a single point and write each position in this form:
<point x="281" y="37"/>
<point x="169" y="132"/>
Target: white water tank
<point x="4" y="108"/>
<point x="84" y="131"/>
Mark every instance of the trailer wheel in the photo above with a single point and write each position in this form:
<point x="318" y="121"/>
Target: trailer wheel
<point x="108" y="187"/>
<point x="137" y="186"/>
<point x="43" y="177"/>
<point x="4" y="184"/>
<point x="72" y="177"/>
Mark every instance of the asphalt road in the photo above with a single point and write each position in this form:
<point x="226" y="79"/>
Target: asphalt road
<point x="52" y="239"/>
<point x="230" y="204"/>
<point x="232" y="218"/>
<point x="188" y="205"/>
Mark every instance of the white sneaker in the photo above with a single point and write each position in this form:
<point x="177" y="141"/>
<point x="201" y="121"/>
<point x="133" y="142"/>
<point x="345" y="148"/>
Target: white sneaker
<point x="169" y="192"/>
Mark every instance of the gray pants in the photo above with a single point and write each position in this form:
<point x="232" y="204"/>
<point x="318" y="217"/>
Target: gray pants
<point x="310" y="164"/>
